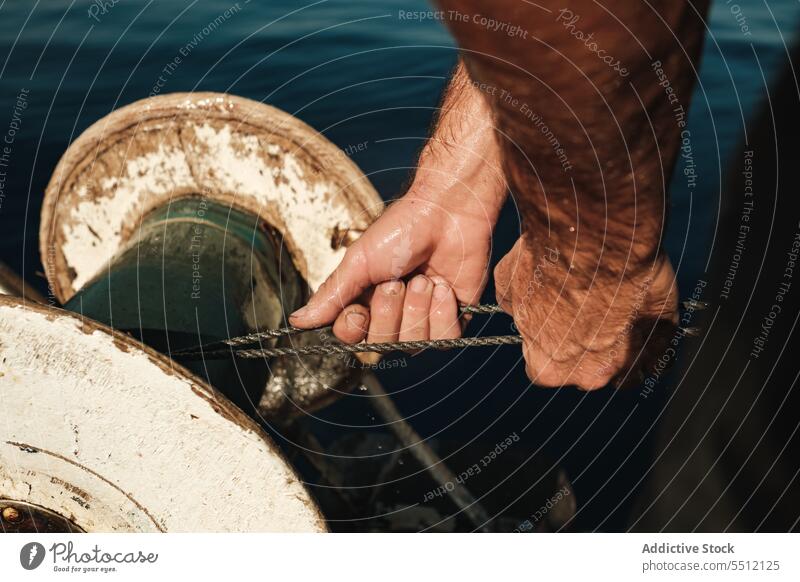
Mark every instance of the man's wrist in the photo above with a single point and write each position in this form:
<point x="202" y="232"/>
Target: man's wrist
<point x="478" y="197"/>
<point x="460" y="167"/>
<point x="463" y="173"/>
<point x="623" y="249"/>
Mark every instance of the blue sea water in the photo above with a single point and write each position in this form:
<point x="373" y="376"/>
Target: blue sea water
<point x="360" y="74"/>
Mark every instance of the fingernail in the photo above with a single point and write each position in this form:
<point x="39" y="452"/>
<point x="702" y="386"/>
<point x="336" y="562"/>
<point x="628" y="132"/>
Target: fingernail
<point x="441" y="291"/>
<point x="420" y="284"/>
<point x="300" y="313"/>
<point x="391" y="287"/>
<point x="356" y="320"/>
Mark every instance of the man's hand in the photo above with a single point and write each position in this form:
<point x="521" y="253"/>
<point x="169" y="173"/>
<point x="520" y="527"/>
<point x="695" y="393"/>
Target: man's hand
<point x="611" y="330"/>
<point x="404" y="278"/>
<point x="444" y="251"/>
<point x="591" y="101"/>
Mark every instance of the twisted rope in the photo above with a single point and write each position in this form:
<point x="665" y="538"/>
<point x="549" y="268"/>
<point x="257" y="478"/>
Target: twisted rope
<point x="284" y="331"/>
<point x="328" y="349"/>
<point x="225" y="348"/>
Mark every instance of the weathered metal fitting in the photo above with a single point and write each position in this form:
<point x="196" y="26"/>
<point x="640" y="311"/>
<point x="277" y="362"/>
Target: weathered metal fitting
<point x="241" y="156"/>
<point x="115" y="437"/>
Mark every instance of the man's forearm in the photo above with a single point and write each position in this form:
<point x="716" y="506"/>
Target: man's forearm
<point x="591" y="101"/>
<point x="461" y="163"/>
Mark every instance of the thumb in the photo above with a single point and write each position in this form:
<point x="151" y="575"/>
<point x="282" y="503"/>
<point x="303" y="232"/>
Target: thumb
<point x="339" y="290"/>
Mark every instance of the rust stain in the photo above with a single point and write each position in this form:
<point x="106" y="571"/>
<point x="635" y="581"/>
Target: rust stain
<point x="82" y="502"/>
<point x="71" y="488"/>
<point x="225" y="409"/>
<point x="30" y="448"/>
<point x="344" y="237"/>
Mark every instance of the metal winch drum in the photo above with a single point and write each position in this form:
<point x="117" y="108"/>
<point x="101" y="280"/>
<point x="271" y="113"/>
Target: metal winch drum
<point x="174" y="221"/>
<point x="101" y="433"/>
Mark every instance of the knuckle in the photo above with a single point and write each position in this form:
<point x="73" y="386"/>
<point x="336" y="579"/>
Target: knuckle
<point x="591" y="383"/>
<point x="545" y="377"/>
<point x="594" y="378"/>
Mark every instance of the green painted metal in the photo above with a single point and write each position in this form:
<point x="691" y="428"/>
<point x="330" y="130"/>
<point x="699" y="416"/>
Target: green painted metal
<point x="196" y="272"/>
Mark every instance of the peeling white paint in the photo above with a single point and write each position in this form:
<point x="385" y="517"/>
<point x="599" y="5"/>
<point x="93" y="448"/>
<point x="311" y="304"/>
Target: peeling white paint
<point x="232" y="162"/>
<point x="142" y="446"/>
<point x="220" y="160"/>
<point x="94" y="233"/>
<point x="142" y="155"/>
